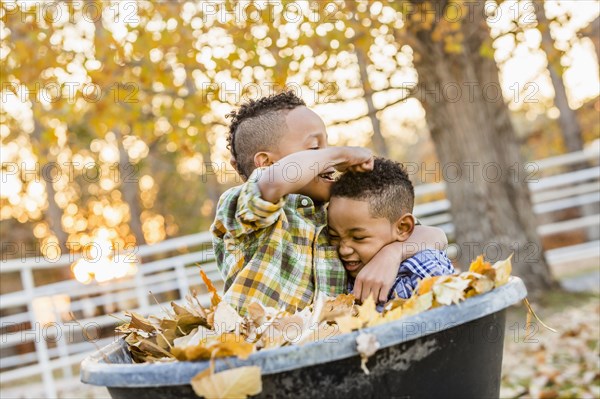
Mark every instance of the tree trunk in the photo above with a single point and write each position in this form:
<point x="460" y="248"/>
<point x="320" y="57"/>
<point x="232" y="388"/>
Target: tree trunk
<point x="129" y="176"/>
<point x="569" y="125"/>
<point x="54" y="213"/>
<point x="491" y="208"/>
<point x="378" y="139"/>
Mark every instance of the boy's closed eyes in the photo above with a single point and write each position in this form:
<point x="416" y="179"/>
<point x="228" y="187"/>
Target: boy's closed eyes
<point x="369" y="211"/>
<point x="359" y="235"/>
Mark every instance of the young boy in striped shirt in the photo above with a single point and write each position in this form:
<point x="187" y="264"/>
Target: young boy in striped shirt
<point x="269" y="234"/>
<point x="370" y="210"/>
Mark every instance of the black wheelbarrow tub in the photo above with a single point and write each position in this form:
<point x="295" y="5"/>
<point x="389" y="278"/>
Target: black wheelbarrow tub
<point x="450" y="351"/>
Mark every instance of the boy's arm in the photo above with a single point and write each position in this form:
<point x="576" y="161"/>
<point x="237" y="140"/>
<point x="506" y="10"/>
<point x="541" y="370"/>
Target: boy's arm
<point x="274" y="183"/>
<point x="378" y="276"/>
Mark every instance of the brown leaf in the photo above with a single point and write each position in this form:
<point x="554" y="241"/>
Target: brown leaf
<point x="234" y="383"/>
<point x="342" y="305"/>
<point x="214" y="296"/>
<point x="141" y="323"/>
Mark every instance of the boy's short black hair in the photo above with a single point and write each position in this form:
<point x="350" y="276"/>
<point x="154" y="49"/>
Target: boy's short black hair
<point x="257" y="126"/>
<point x="387" y="189"/>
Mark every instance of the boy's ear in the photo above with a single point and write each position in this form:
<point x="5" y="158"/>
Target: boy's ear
<point x="404" y="226"/>
<point x="263" y="158"/>
<point x="234" y="164"/>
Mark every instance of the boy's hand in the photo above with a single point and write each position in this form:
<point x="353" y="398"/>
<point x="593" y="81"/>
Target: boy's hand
<point x="377" y="277"/>
<point x="358" y="159"/>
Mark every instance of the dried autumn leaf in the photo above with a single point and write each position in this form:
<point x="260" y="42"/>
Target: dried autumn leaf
<point x="367" y="311"/>
<point x="187" y="322"/>
<point x="366" y="345"/>
<point x="426" y="284"/>
<point x="449" y="289"/>
<point x="482" y="267"/>
<point x="393" y="304"/>
<point x="141" y="323"/>
<point x="417" y="304"/>
<point x="336" y="307"/>
<point x="256" y="312"/>
<point x="503" y="269"/>
<point x="271" y="337"/>
<point x="178" y="309"/>
<point x="215" y="299"/>
<point x="479" y="265"/>
<point x="291" y="327"/>
<point x="240" y="382"/>
<point x="226" y="319"/>
<point x="219" y="346"/>
<point x="194" y="337"/>
<point x="348" y="323"/>
<point x="232" y="345"/>
<point x="478" y="282"/>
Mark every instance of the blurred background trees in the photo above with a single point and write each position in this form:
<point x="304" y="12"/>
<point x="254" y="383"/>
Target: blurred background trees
<point x="116" y="109"/>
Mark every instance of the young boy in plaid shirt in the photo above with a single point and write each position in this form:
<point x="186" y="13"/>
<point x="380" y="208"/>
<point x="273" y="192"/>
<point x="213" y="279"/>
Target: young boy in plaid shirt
<point x="269" y="234"/>
<point x="370" y="210"/>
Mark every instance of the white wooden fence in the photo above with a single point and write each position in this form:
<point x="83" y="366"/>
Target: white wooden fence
<point x="42" y="347"/>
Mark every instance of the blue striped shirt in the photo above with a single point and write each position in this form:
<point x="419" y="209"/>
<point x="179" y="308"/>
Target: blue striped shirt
<point x="423" y="264"/>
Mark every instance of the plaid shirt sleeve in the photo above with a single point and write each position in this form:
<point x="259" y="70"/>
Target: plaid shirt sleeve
<point x="423" y="264"/>
<point x="242" y="210"/>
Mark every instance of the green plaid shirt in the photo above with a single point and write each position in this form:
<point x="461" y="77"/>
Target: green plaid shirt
<point x="277" y="254"/>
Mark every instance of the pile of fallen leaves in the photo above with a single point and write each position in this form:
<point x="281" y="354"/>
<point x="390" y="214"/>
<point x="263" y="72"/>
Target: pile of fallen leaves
<point x="539" y="363"/>
<point x="194" y="332"/>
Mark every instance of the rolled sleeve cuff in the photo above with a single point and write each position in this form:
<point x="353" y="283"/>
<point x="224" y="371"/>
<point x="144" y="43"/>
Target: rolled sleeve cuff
<point x="252" y="208"/>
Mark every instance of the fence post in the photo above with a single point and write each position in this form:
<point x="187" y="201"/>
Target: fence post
<point x="182" y="282"/>
<point x="141" y="292"/>
<point x="41" y="348"/>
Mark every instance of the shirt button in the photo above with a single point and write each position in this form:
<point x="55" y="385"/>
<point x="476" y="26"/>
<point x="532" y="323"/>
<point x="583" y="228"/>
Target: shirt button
<point x="304" y="202"/>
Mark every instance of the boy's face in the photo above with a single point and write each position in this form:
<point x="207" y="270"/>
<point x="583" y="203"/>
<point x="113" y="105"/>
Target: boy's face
<point x="357" y="234"/>
<point x="306" y="131"/>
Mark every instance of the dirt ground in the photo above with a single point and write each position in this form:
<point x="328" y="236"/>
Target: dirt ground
<point x="539" y="363"/>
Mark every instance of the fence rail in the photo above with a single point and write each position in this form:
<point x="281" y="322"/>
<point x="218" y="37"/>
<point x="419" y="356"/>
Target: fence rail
<point x="41" y="346"/>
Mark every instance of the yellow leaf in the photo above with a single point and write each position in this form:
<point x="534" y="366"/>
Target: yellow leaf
<point x="348" y="323"/>
<point x="483" y="285"/>
<point x="393" y="314"/>
<point x="481" y="267"/>
<point x="417" y="304"/>
<point x="221" y="346"/>
<point x="503" y="269"/>
<point x="450" y="290"/>
<point x="367" y="311"/>
<point x="214" y="296"/>
<point x="233" y="345"/>
<point x="235" y="383"/>
<point x="426" y="284"/>
<point x="480" y="283"/>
